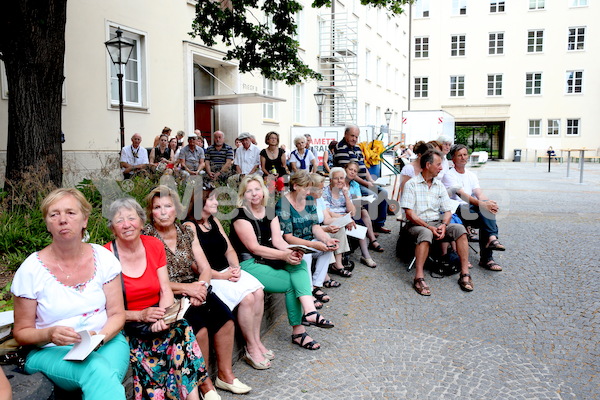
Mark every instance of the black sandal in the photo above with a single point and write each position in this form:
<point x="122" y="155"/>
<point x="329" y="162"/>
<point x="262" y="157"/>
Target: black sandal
<point x="320" y="321"/>
<point x="344" y="273"/>
<point x="302" y="336"/>
<point x="331" y="284"/>
<point x="320" y="296"/>
<point x="377" y="248"/>
<point x="318" y="304"/>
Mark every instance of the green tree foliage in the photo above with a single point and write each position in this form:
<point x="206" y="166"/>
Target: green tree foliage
<point x="270" y="47"/>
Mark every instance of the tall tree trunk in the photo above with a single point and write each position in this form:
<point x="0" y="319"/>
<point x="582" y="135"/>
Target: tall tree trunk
<point x="32" y="43"/>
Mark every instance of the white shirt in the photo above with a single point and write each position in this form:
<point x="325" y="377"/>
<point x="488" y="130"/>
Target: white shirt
<point x="467" y="182"/>
<point x="133" y="156"/>
<point x="247" y="159"/>
<point x="82" y="307"/>
<point x="308" y="157"/>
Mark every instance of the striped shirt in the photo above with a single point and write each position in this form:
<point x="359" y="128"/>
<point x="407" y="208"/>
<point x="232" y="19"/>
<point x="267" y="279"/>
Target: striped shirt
<point x="217" y="158"/>
<point x="344" y="153"/>
<point x="427" y="202"/>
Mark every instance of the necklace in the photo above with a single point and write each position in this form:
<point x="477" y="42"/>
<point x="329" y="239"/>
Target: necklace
<point x="58" y="264"/>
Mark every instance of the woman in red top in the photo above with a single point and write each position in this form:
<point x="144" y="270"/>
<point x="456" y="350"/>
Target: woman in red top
<point x="166" y="362"/>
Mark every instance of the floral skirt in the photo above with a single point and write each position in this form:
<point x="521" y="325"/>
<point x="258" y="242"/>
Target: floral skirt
<point x="168" y="366"/>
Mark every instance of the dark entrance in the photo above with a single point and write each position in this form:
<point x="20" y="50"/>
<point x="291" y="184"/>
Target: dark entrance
<point x="482" y="136"/>
<point x="204" y="85"/>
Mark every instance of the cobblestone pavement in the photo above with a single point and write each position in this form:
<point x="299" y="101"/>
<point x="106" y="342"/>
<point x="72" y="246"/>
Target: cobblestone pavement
<point x="529" y="332"/>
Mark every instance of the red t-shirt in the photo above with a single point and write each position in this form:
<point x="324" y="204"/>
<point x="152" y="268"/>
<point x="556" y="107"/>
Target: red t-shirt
<point x="144" y="291"/>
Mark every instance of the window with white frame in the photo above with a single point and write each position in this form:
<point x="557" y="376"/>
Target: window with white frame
<point x="368" y="67"/>
<point x="421" y="87"/>
<point x="388" y="77"/>
<point x="535" y="127"/>
<point x="457" y="45"/>
<point x="494" y="85"/>
<point x="576" y="38"/>
<point x="535" y="41"/>
<point x="459" y="7"/>
<point x="574" y="82"/>
<point x="422" y="47"/>
<point x="496" y="6"/>
<point x="269" y="89"/>
<point x="579" y="3"/>
<point x="367" y="113"/>
<point x="573" y="126"/>
<point x="457" y="86"/>
<point x="496" y="43"/>
<point x="378" y="71"/>
<point x="422" y="8"/>
<point x="533" y="83"/>
<point x="134" y="80"/>
<point x="537" y="4"/>
<point x="396" y="81"/>
<point x="299" y="102"/>
<point x="554" y="127"/>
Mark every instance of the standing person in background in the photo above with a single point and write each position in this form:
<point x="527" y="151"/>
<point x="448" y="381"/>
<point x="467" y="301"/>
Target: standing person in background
<point x="134" y="158"/>
<point x="219" y="158"/>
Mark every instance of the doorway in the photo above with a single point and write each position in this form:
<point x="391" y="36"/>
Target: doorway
<point x="482" y="136"/>
<point x="204" y="85"/>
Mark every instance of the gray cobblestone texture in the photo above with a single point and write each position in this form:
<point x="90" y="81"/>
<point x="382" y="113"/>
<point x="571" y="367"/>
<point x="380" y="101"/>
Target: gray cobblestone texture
<point x="528" y="332"/>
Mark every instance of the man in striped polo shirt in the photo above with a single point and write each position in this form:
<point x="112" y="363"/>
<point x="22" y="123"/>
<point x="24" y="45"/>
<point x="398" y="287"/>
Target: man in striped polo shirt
<point x="219" y="158"/>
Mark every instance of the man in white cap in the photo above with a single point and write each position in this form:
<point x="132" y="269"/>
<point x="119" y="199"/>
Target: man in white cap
<point x="191" y="157"/>
<point x="247" y="157"/>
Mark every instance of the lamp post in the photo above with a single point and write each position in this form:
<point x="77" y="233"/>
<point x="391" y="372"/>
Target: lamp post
<point x="388" y="117"/>
<point x="120" y="50"/>
<point x="320" y="99"/>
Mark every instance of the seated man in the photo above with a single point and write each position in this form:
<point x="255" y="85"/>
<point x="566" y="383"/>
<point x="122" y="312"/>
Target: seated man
<point x="219" y="158"/>
<point x="191" y="157"/>
<point x="475" y="208"/>
<point x="134" y="158"/>
<point x="424" y="199"/>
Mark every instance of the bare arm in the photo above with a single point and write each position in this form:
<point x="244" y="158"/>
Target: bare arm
<point x="248" y="237"/>
<point x="325" y="159"/>
<point x="263" y="162"/>
<point x="114" y="309"/>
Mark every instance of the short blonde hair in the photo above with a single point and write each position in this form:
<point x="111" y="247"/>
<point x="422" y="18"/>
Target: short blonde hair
<point x="161" y="191"/>
<point x="317" y="179"/>
<point x="58" y="194"/>
<point x="300" y="178"/>
<point x="244" y="185"/>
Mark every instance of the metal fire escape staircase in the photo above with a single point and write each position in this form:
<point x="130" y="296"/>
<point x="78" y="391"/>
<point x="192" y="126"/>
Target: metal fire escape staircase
<point x="338" y="63"/>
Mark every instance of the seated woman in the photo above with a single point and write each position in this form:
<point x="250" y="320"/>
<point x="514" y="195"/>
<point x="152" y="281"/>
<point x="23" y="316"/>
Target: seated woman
<point x="166" y="362"/>
<point x="302" y="158"/>
<point x="414" y="168"/>
<point x="236" y="288"/>
<point x="257" y="238"/>
<point x="325" y="218"/>
<point x="190" y="275"/>
<point x="339" y="202"/>
<point x="273" y="161"/>
<point x="351" y="169"/>
<point x="69" y="287"/>
<point x="300" y="225"/>
<point x="162" y="156"/>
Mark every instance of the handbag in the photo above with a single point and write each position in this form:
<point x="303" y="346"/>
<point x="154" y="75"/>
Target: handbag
<point x="243" y="256"/>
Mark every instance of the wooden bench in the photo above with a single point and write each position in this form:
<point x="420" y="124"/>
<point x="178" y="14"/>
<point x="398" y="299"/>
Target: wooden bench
<point x="588" y="158"/>
<point x="557" y="158"/>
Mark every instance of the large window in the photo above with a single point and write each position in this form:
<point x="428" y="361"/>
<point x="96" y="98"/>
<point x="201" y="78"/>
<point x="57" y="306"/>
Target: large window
<point x="578" y="3"/>
<point x="496" y="43"/>
<point x="459" y="7"/>
<point x="421" y="87"/>
<point x="535" y="127"/>
<point x="537" y="4"/>
<point x="368" y="65"/>
<point x="573" y="126"/>
<point x="133" y="72"/>
<point x="299" y="102"/>
<point x="422" y="8"/>
<point x="554" y="127"/>
<point x="574" y="82"/>
<point x="494" y="85"/>
<point x="576" y="38"/>
<point x="533" y="83"/>
<point x="269" y="89"/>
<point x="496" y="6"/>
<point x="421" y="47"/>
<point x="535" y="41"/>
<point x="457" y="45"/>
<point x="457" y="86"/>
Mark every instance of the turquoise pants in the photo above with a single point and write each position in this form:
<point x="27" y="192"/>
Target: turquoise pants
<point x="99" y="376"/>
<point x="293" y="280"/>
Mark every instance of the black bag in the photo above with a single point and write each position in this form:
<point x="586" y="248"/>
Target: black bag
<point x="139" y="330"/>
<point x="446" y="265"/>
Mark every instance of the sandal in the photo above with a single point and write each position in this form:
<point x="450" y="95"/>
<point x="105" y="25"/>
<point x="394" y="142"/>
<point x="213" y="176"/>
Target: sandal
<point x="348" y="264"/>
<point x="344" y="273"/>
<point x="491" y="265"/>
<point x="496" y="245"/>
<point x="421" y="287"/>
<point x="302" y="336"/>
<point x="320" y="322"/>
<point x="320" y="295"/>
<point x="377" y="248"/>
<point x="318" y="304"/>
<point x="331" y="284"/>
<point x="472" y="235"/>
<point x="467" y="285"/>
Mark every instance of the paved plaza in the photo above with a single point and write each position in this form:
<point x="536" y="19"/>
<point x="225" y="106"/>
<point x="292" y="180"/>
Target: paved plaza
<point x="529" y="332"/>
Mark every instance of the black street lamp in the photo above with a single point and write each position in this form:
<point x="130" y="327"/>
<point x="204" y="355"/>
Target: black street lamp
<point x="388" y="117"/>
<point x="120" y="50"/>
<point x="320" y="99"/>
